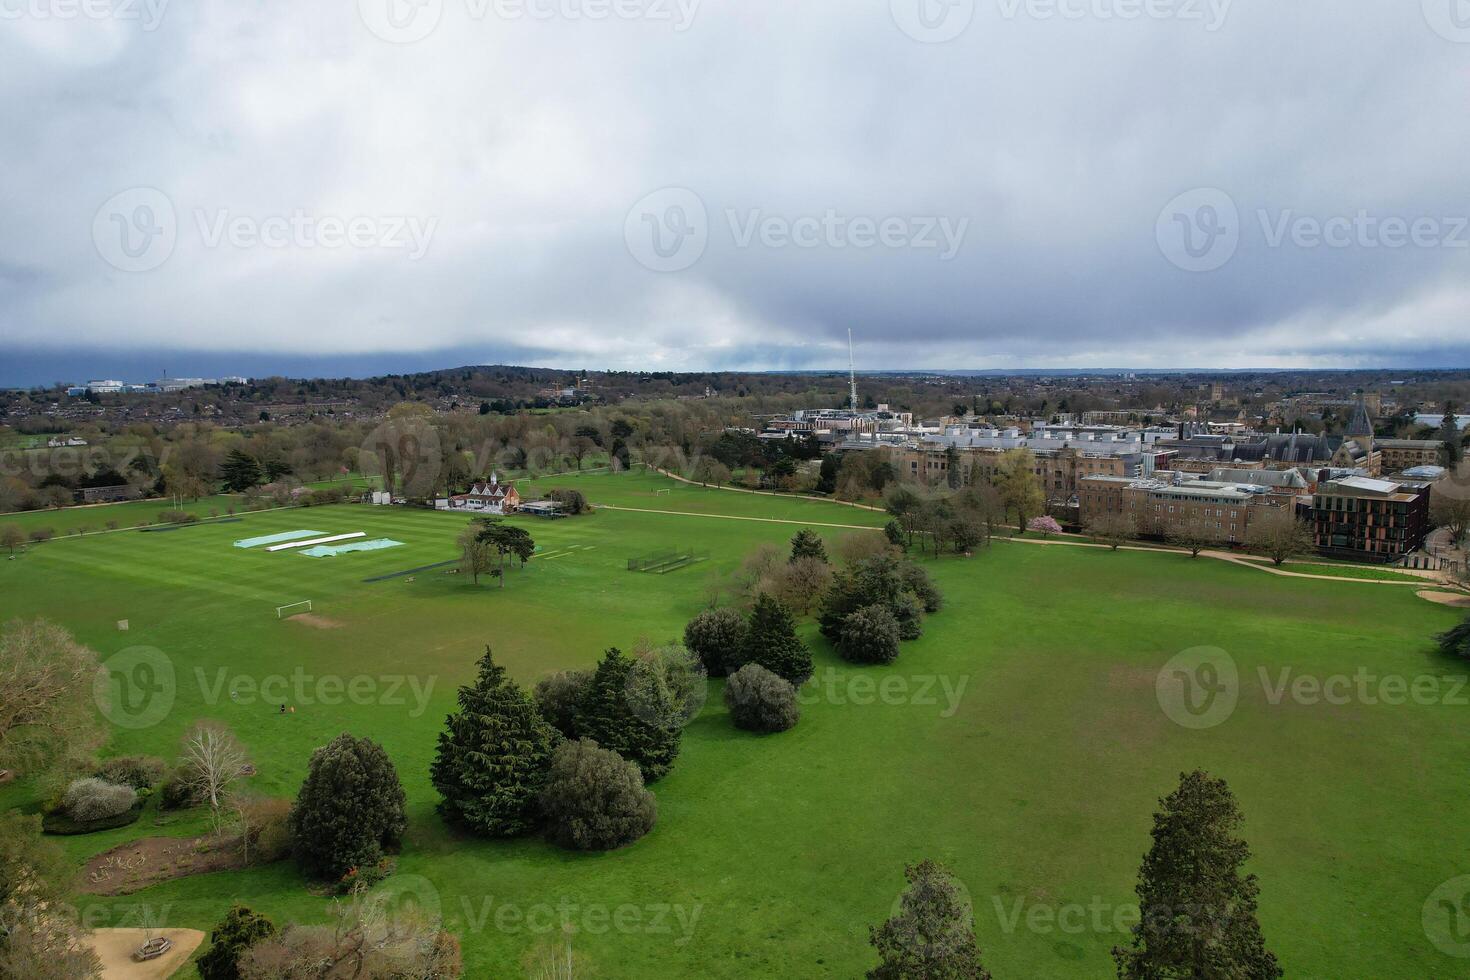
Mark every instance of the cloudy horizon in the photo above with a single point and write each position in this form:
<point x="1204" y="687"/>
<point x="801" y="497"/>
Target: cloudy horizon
<point x="712" y="184"/>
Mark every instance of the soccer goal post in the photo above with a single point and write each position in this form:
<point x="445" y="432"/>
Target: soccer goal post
<point x="300" y="607"/>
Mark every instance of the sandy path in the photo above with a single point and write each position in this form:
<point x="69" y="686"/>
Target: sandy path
<point x="115" y="949"/>
<point x="1446" y="598"/>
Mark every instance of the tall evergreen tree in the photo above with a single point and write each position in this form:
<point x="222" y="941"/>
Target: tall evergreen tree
<point x="1198" y="911"/>
<point x="237" y="932"/>
<point x="808" y="544"/>
<point x="606" y="717"/>
<point x="1450" y="435"/>
<point x="1456" y="642"/>
<point x="349" y="810"/>
<point x="493" y="756"/>
<point x="239" y="471"/>
<point x="771" y="641"/>
<point x="932" y="936"/>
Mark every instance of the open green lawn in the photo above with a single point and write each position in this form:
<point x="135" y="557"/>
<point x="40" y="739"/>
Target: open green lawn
<point x="1028" y="751"/>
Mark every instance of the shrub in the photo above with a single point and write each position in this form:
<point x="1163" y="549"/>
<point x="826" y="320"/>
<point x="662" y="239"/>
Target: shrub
<point x="237" y="932"/>
<point x="349" y="810"/>
<point x="917" y="581"/>
<point x="869" y="636"/>
<point x="176" y="792"/>
<point x="558" y="696"/>
<point x="176" y="517"/>
<point x="771" y="641"/>
<point x="760" y="701"/>
<point x="138" y="771"/>
<point x="909" y="616"/>
<point x="493" y="757"/>
<point x="92" y="799"/>
<point x="42" y="534"/>
<point x="717" y="638"/>
<point x="265" y="826"/>
<point x="594" y="799"/>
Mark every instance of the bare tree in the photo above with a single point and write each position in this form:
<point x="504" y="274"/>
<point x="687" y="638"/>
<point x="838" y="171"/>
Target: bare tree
<point x="1194" y="534"/>
<point x="1113" y="530"/>
<point x="798" y="583"/>
<point x="1450" y="512"/>
<point x="366" y="940"/>
<point x="46" y="684"/>
<point x="1276" y="533"/>
<point x="12" y="537"/>
<point x="476" y="557"/>
<point x="213" y="760"/>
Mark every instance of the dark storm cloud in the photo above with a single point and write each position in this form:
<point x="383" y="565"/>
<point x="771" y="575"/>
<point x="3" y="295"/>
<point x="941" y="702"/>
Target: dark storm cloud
<point x="995" y="200"/>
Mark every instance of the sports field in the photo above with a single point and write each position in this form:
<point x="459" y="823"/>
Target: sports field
<point x="1025" y="744"/>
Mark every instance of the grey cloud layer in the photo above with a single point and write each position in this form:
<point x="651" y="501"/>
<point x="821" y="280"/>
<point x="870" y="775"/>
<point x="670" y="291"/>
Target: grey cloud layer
<point x="526" y="139"/>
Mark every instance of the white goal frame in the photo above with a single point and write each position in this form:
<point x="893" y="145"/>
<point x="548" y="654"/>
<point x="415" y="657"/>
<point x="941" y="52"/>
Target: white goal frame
<point x="292" y="605"/>
<point x="664" y="492"/>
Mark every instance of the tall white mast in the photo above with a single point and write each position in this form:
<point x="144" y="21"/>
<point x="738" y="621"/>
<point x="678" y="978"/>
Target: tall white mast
<point x="851" y="372"/>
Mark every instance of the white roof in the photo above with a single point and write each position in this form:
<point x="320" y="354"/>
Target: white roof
<point x="1372" y="486"/>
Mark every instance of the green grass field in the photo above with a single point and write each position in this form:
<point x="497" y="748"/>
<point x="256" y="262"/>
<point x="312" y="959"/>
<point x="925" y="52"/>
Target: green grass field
<point x="1027" y="748"/>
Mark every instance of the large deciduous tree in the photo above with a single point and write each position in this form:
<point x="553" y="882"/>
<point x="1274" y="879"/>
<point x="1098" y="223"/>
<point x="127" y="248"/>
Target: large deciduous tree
<point x="1277" y="534"/>
<point x="493" y="756"/>
<point x="1197" y="908"/>
<point x="46" y="696"/>
<point x="507" y="540"/>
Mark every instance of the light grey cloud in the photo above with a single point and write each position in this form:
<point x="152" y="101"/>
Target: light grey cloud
<point x="335" y="192"/>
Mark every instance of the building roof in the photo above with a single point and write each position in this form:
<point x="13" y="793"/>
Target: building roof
<point x="1276" y="479"/>
<point x="1361" y="423"/>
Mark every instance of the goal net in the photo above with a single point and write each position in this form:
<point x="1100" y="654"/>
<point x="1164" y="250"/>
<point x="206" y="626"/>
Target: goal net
<point x="300" y="607"/>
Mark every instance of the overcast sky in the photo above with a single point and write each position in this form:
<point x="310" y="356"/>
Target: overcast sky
<point x="687" y="184"/>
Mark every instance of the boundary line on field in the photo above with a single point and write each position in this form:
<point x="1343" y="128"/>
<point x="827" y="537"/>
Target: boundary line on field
<point x="412" y="571"/>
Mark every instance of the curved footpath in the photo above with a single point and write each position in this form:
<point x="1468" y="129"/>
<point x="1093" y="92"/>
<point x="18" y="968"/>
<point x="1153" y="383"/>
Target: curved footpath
<point x="1428" y="578"/>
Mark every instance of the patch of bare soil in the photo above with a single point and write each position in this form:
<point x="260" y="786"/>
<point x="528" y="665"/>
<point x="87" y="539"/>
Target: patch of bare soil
<point x="137" y="864"/>
<point x="1446" y="598"/>
<point x="316" y="622"/>
<point x="114" y="947"/>
<point x="1122" y="678"/>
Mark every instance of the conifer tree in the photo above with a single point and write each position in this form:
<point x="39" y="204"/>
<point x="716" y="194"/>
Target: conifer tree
<point x="932" y="936"/>
<point x="349" y="810"/>
<point x="771" y="641"/>
<point x="808" y="544"/>
<point x="493" y="756"/>
<point x="606" y="717"/>
<point x="1198" y="911"/>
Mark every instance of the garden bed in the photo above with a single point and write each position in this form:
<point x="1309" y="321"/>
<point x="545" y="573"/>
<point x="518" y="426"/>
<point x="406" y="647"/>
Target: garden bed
<point x="138" y="864"/>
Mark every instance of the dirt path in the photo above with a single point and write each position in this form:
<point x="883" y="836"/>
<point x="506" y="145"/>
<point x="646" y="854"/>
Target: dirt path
<point x="1233" y="559"/>
<point x="115" y="947"/>
<point x="1446" y="598"/>
<point x="731" y="517"/>
<point x="768" y="493"/>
